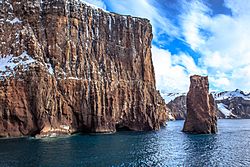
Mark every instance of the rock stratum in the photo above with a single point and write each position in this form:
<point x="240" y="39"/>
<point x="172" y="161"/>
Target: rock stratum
<point x="201" y="108"/>
<point x="66" y="67"/>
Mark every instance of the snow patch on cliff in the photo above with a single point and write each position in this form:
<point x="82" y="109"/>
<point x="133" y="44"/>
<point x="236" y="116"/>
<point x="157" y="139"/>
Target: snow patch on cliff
<point x="223" y="108"/>
<point x="8" y="63"/>
<point x="14" y="21"/>
<point x="5" y="61"/>
<point x="50" y="69"/>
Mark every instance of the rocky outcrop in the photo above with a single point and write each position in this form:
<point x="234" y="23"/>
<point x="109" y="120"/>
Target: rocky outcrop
<point x="230" y="105"/>
<point x="178" y="107"/>
<point x="66" y="67"/>
<point x="201" y="108"/>
<point x="233" y="104"/>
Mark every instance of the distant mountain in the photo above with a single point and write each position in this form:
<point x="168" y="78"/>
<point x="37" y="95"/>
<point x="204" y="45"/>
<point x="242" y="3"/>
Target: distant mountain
<point x="168" y="97"/>
<point x="231" y="104"/>
<point x="178" y="108"/>
<point x="231" y="94"/>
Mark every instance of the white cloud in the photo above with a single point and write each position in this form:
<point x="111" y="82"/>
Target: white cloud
<point x="193" y="19"/>
<point x="229" y="40"/>
<point x="188" y="63"/>
<point x="241" y="78"/>
<point x="239" y="7"/>
<point x="173" y="71"/>
<point x="225" y="52"/>
<point x="167" y="74"/>
<point x="219" y="81"/>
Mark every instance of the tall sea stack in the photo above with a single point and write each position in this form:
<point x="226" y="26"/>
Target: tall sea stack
<point x="201" y="108"/>
<point x="67" y="67"/>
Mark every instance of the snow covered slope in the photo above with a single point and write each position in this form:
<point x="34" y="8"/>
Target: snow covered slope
<point x="171" y="96"/>
<point x="231" y="94"/>
<point x="225" y="111"/>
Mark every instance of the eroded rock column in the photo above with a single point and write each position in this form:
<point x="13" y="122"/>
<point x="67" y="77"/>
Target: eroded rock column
<point x="201" y="108"/>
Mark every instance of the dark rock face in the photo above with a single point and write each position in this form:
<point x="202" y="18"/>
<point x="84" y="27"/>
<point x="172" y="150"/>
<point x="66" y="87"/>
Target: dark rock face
<point x="234" y="104"/>
<point x="178" y="107"/>
<point x="201" y="108"/>
<point x="66" y="67"/>
<point x="239" y="107"/>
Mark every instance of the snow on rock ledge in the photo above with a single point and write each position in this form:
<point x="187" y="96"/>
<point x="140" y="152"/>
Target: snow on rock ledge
<point x="9" y="63"/>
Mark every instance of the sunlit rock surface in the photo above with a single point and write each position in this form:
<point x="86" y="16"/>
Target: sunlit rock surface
<point x="201" y="108"/>
<point x="66" y="67"/>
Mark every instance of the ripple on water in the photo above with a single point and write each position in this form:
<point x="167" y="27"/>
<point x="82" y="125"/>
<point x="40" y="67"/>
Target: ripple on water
<point x="167" y="147"/>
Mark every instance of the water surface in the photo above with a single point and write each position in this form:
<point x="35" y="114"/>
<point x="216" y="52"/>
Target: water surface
<point x="167" y="147"/>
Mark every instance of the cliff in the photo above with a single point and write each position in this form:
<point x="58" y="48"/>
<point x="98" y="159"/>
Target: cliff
<point x="66" y="67"/>
<point x="201" y="108"/>
<point x="178" y="108"/>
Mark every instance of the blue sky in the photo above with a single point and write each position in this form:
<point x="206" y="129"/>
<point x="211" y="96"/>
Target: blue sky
<point x="209" y="37"/>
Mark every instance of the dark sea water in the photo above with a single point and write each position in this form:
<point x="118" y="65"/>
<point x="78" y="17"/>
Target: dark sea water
<point x="167" y="147"/>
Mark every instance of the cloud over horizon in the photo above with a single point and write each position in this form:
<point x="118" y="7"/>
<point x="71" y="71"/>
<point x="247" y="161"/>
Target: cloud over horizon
<point x="224" y="52"/>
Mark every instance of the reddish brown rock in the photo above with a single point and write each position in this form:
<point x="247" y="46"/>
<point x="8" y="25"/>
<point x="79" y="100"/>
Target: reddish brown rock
<point x="71" y="68"/>
<point x="178" y="107"/>
<point x="201" y="108"/>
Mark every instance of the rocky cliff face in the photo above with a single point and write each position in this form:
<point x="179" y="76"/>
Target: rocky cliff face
<point x="233" y="104"/>
<point x="201" y="108"/>
<point x="178" y="108"/>
<point x="66" y="67"/>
